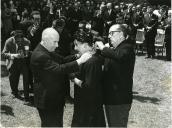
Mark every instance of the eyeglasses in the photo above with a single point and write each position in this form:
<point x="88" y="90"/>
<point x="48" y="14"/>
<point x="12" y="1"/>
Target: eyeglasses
<point x="112" y="32"/>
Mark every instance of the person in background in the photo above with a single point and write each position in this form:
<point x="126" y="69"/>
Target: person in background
<point x="35" y="30"/>
<point x="16" y="51"/>
<point x="137" y="20"/>
<point x="34" y="35"/>
<point x="151" y="31"/>
<point x="75" y="15"/>
<point x="49" y="71"/>
<point x="25" y="22"/>
<point x="118" y="75"/>
<point x="87" y="12"/>
<point x="7" y="25"/>
<point x="168" y="37"/>
<point x="88" y="96"/>
<point x="65" y="37"/>
<point x="64" y="48"/>
<point x="109" y="17"/>
<point x="98" y="20"/>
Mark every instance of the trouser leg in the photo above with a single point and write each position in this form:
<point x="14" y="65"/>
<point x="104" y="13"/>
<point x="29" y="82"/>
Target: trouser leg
<point x="30" y="74"/>
<point x="117" y="115"/>
<point x="25" y="72"/>
<point x="30" y="79"/>
<point x="168" y="53"/>
<point x="51" y="117"/>
<point x="14" y="75"/>
<point x="67" y="85"/>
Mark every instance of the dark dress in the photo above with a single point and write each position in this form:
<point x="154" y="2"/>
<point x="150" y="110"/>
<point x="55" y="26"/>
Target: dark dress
<point x="88" y="107"/>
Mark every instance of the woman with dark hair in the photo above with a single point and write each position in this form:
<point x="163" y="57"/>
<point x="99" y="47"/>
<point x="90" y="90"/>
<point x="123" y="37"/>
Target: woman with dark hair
<point x="88" y="106"/>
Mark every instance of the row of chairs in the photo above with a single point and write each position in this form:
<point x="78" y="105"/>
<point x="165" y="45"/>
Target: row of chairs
<point x="159" y="41"/>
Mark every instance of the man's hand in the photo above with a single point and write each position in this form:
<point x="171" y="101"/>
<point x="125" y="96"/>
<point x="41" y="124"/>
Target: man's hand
<point x="135" y="25"/>
<point x="84" y="58"/>
<point x="77" y="56"/>
<point x="100" y="45"/>
<point x="109" y="22"/>
<point x="15" y="56"/>
<point x="77" y="82"/>
<point x="107" y="45"/>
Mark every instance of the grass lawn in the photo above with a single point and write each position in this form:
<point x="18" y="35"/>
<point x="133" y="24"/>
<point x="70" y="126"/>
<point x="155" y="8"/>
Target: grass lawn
<point x="151" y="105"/>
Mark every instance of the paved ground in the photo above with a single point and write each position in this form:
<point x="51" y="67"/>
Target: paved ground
<point x="151" y="105"/>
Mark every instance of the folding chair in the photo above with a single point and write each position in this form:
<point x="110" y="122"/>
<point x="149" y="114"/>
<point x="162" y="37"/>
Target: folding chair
<point x="159" y="41"/>
<point x="140" y="37"/>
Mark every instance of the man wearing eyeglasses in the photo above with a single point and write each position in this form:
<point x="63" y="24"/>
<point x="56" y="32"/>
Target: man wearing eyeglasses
<point x="118" y="75"/>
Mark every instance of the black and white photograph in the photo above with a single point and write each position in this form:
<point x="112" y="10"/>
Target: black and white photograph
<point x="86" y="63"/>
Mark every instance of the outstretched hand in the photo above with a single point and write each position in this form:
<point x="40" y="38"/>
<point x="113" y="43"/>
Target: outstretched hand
<point x="86" y="56"/>
<point x="99" y="45"/>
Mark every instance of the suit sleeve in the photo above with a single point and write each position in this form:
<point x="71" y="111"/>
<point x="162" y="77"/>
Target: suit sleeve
<point x="50" y="65"/>
<point x="6" y="51"/>
<point x="69" y="58"/>
<point x="57" y="57"/>
<point x="116" y="54"/>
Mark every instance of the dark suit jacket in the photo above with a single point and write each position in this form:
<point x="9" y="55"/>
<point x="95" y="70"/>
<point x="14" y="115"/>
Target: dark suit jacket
<point x="36" y="38"/>
<point x="65" y="42"/>
<point x="88" y="14"/>
<point x="151" y="33"/>
<point x="48" y="72"/>
<point x="75" y="14"/>
<point x="111" y="17"/>
<point x="118" y="73"/>
<point x="146" y="19"/>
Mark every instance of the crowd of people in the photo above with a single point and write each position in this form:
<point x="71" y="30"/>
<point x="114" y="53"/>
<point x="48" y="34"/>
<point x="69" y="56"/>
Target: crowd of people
<point x="100" y="14"/>
<point x="91" y="43"/>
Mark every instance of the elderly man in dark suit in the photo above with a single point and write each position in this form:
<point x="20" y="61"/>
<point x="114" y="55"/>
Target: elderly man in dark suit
<point x="109" y="17"/>
<point x="118" y="75"/>
<point x="49" y="71"/>
<point x="87" y="12"/>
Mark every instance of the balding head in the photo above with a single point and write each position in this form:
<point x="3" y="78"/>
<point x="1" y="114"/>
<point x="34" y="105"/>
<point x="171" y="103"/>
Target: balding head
<point x="109" y="5"/>
<point x="119" y="27"/>
<point x="50" y="39"/>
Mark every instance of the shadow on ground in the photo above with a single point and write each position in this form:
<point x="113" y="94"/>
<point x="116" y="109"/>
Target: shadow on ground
<point x="158" y="57"/>
<point x="141" y="54"/>
<point x="7" y="110"/>
<point x="145" y="99"/>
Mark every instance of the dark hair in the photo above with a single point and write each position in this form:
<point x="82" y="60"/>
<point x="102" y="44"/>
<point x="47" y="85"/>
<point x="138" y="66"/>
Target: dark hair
<point x="84" y="37"/>
<point x="58" y="23"/>
<point x="35" y="13"/>
<point x="18" y="33"/>
<point x="83" y="22"/>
